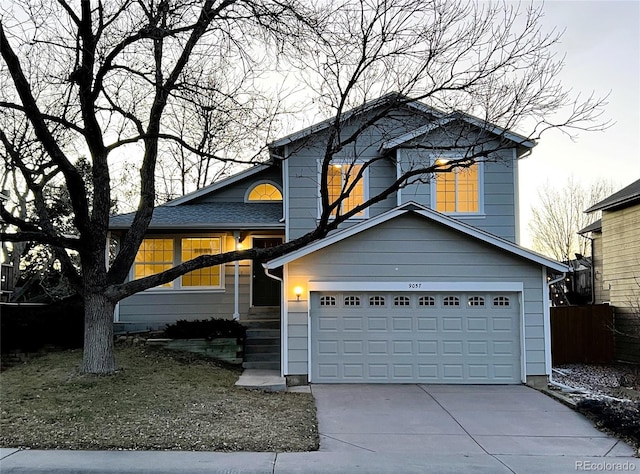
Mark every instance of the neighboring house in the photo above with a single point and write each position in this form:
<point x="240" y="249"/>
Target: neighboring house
<point x="616" y="260"/>
<point x="428" y="285"/>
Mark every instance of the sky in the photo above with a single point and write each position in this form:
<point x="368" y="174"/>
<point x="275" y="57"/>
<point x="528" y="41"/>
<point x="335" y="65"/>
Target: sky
<point x="601" y="44"/>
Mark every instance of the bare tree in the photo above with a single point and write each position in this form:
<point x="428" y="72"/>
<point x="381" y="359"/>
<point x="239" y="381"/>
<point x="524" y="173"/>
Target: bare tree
<point x="107" y="75"/>
<point x="559" y="216"/>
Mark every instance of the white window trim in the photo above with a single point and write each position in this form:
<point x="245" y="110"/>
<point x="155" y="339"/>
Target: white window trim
<point x="258" y="183"/>
<point x="434" y="190"/>
<point x="176" y="285"/>
<point x="365" y="178"/>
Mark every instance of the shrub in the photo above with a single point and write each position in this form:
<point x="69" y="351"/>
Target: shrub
<point x="205" y="329"/>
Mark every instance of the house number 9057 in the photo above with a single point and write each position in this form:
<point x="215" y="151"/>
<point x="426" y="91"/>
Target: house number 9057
<point x="415" y="285"/>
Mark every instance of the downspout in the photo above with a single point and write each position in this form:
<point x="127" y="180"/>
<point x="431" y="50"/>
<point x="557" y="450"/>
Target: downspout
<point x="236" y="279"/>
<point x="565" y="388"/>
<point x="283" y="322"/>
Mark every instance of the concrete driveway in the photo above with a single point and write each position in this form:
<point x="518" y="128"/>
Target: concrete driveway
<point x="467" y="420"/>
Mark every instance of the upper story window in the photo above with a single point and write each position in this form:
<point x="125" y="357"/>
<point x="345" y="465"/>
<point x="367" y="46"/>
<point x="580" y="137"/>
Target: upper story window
<point x="340" y="178"/>
<point x="265" y="192"/>
<point x="159" y="254"/>
<point x="457" y="191"/>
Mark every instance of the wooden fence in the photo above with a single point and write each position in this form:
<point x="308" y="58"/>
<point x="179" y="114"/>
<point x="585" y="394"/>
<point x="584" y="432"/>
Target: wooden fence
<point x="582" y="334"/>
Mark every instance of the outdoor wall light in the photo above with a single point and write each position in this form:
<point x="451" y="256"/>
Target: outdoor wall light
<point x="297" y="291"/>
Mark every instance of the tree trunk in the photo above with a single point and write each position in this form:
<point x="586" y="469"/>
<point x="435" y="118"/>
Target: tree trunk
<point x="98" y="335"/>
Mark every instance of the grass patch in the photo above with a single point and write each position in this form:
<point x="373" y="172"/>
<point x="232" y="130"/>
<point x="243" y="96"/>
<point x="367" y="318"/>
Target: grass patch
<point x="158" y="400"/>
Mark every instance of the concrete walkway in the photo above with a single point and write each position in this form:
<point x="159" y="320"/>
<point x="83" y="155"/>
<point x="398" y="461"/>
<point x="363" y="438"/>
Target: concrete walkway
<point x="389" y="429"/>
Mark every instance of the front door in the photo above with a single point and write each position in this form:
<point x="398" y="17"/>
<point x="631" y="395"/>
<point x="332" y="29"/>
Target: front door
<point x="266" y="290"/>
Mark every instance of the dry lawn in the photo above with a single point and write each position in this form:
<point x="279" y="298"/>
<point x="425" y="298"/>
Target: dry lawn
<point x="157" y="400"/>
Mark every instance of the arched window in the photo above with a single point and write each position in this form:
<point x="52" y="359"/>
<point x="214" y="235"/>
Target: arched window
<point x="327" y="301"/>
<point x="376" y="301"/>
<point x="451" y="301"/>
<point x="427" y="301"/>
<point x="264" y="192"/>
<point x="351" y="301"/>
<point x="501" y="301"/>
<point x="401" y="301"/>
<point x="476" y="301"/>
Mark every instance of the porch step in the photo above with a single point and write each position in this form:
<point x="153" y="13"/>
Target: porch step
<point x="262" y="344"/>
<point x="261" y="349"/>
<point x="262" y="365"/>
<point x="262" y="379"/>
<point x="263" y="332"/>
<point x="270" y="323"/>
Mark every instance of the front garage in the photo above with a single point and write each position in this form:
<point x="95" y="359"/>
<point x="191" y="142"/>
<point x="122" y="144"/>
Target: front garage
<point x="415" y="337"/>
<point x="412" y="296"/>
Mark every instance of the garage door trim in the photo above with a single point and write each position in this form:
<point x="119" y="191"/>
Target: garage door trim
<point x="415" y="287"/>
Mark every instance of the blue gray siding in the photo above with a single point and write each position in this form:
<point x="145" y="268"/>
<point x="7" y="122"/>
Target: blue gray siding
<point x="236" y="192"/>
<point x="408" y="249"/>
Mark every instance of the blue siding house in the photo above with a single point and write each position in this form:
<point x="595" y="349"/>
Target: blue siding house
<point x="428" y="285"/>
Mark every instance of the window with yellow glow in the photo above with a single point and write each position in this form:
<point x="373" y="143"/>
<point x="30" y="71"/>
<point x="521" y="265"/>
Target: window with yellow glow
<point x="194" y="247"/>
<point x="159" y="254"/>
<point x="339" y="179"/>
<point x="458" y="190"/>
<point x="154" y="256"/>
<point x="265" y="192"/>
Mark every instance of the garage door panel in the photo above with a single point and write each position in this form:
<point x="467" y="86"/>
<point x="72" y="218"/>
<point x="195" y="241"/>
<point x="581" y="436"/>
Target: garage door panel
<point x="436" y="342"/>
<point x="402" y="323"/>
<point x="427" y="324"/>
<point x="452" y="324"/>
<point x="377" y="324"/>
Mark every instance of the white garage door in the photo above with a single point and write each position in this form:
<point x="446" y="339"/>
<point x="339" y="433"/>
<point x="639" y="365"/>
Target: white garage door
<point x="383" y="337"/>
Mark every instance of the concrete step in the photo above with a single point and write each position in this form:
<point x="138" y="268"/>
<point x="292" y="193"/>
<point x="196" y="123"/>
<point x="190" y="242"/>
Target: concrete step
<point x="262" y="323"/>
<point x="262" y="349"/>
<point x="262" y="332"/>
<point x="263" y="357"/>
<point x="262" y="379"/>
<point x="262" y="365"/>
<point x="262" y="341"/>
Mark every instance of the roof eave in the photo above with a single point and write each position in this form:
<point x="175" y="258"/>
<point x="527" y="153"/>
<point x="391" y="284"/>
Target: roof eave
<point x="629" y="200"/>
<point x="222" y="226"/>
<point x="429" y="214"/>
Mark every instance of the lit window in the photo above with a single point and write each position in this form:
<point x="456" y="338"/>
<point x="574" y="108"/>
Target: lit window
<point x="457" y="190"/>
<point x="159" y="254"/>
<point x="376" y="301"/>
<point x="451" y="301"/>
<point x="327" y="301"/>
<point x="154" y="256"/>
<point x="265" y="192"/>
<point x="401" y="301"/>
<point x="426" y="301"/>
<point x="339" y="179"/>
<point x="476" y="301"/>
<point x="351" y="301"/>
<point x="194" y="247"/>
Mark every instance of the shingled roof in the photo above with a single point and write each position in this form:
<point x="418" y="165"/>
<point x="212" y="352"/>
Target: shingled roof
<point x="623" y="198"/>
<point x="219" y="215"/>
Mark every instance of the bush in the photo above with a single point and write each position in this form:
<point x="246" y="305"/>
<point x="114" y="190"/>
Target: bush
<point x="619" y="417"/>
<point x="205" y="329"/>
<point x="28" y="328"/>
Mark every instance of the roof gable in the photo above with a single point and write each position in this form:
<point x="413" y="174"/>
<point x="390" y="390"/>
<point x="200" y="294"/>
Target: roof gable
<point x="441" y="119"/>
<point x="217" y="185"/>
<point x="623" y="198"/>
<point x="427" y="213"/>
